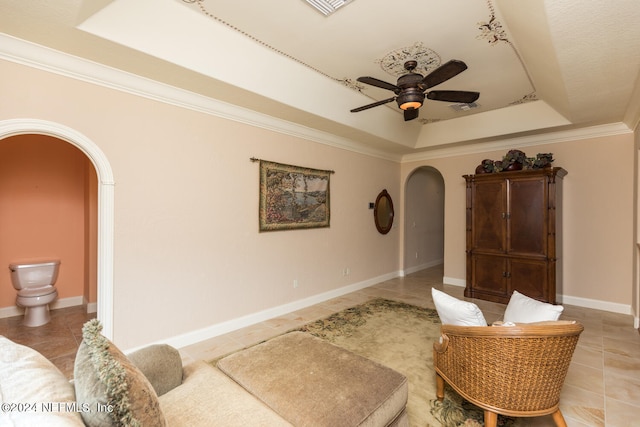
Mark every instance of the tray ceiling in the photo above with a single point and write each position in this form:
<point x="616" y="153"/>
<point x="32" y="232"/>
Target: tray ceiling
<point x="539" y="65"/>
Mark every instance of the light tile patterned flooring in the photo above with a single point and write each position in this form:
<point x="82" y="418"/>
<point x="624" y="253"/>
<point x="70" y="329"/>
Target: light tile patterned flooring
<point x="601" y="389"/>
<point x="58" y="340"/>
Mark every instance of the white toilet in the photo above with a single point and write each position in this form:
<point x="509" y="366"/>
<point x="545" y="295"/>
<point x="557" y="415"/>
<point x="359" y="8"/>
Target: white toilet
<point x="35" y="285"/>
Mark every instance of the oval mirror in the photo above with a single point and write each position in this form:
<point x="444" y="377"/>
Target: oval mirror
<point x="383" y="212"/>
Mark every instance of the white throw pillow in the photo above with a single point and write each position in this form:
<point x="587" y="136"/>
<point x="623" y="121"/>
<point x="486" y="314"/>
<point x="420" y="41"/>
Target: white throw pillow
<point x="453" y="311"/>
<point x="33" y="391"/>
<point x="522" y="309"/>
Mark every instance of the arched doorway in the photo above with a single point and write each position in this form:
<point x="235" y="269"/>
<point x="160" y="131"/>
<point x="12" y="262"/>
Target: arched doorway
<point x="424" y="219"/>
<point x="105" y="203"/>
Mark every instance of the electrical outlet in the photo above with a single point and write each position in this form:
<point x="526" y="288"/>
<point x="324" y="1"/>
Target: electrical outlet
<point x="295" y="283"/>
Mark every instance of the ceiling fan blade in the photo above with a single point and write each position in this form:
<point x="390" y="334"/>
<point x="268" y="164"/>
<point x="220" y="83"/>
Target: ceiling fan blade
<point x="443" y="73"/>
<point x="378" y="83"/>
<point x="453" y="96"/>
<point x="411" y="113"/>
<point x="375" y="104"/>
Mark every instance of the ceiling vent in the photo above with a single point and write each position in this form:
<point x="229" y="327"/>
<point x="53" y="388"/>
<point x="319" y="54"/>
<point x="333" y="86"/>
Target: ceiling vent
<point x="327" y="7"/>
<point x="464" y="107"/>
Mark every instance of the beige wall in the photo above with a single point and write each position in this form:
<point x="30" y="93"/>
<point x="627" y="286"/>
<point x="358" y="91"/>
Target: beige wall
<point x="187" y="251"/>
<point x="598" y="214"/>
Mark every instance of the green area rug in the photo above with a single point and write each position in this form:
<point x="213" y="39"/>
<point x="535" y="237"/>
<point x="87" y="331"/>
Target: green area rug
<point x="401" y="336"/>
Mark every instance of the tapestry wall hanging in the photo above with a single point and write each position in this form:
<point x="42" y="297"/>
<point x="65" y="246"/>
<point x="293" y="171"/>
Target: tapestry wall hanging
<point x="293" y="197"/>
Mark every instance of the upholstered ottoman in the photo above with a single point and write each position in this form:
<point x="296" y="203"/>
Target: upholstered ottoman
<point x="310" y="382"/>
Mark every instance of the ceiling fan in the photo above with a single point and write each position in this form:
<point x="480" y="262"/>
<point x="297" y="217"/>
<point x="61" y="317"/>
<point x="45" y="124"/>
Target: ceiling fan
<point x="411" y="87"/>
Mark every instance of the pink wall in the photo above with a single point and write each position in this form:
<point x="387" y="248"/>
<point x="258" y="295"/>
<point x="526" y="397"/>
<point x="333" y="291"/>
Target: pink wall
<point x="47" y="210"/>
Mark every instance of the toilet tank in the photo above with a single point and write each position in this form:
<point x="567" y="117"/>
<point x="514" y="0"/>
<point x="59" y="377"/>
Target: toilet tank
<point x="34" y="275"/>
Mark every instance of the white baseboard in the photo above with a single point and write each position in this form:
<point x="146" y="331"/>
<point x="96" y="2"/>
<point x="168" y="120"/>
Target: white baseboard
<point x="11" y="311"/>
<point x="420" y="267"/>
<point x="57" y="304"/>
<point x="453" y="281"/>
<point x="567" y="299"/>
<point x="92" y="307"/>
<point x="66" y="302"/>
<point x="222" y="328"/>
<point x="597" y="304"/>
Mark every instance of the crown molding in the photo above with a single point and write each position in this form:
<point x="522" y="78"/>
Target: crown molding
<point x="43" y="58"/>
<point x="40" y="57"/>
<point x="552" y="137"/>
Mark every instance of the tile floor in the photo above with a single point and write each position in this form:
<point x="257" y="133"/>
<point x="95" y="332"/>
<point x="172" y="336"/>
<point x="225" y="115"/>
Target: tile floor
<point x="58" y="340"/>
<point x="601" y="389"/>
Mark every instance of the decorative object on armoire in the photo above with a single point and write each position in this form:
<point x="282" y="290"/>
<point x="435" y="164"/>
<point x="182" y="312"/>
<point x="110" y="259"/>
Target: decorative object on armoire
<point x="486" y="166"/>
<point x="542" y="160"/>
<point x="383" y="212"/>
<point x="293" y="197"/>
<point x="515" y="160"/>
<point x="514" y="234"/>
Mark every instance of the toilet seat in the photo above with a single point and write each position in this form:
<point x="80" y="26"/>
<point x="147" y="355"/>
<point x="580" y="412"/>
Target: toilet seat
<point x="36" y="292"/>
<point x="36" y="302"/>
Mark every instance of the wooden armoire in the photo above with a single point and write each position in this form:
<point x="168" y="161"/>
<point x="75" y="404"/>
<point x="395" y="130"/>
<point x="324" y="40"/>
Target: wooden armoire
<point x="514" y="234"/>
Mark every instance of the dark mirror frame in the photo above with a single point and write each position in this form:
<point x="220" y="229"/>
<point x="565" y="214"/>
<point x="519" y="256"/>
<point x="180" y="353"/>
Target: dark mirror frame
<point x="383" y="212"/>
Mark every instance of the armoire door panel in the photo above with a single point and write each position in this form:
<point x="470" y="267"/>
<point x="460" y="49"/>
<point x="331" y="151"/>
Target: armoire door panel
<point x="529" y="278"/>
<point x="488" y="216"/>
<point x="527" y="224"/>
<point x="489" y="274"/>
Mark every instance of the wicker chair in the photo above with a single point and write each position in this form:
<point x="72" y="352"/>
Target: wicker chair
<point x="509" y="370"/>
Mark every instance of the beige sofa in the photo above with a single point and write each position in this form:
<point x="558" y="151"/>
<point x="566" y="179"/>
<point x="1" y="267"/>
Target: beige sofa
<point x="159" y="391"/>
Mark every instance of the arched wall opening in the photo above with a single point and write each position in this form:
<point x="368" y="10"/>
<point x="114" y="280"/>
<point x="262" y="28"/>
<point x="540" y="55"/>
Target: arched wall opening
<point x="424" y="219"/>
<point x="105" y="226"/>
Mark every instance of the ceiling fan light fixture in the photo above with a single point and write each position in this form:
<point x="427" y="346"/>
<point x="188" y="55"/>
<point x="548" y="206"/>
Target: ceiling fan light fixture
<point x="411" y="99"/>
<point x="411" y="87"/>
<point x="411" y="105"/>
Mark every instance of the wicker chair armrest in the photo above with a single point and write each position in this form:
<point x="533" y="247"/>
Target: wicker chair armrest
<point x="441" y="345"/>
<point x="540" y="329"/>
